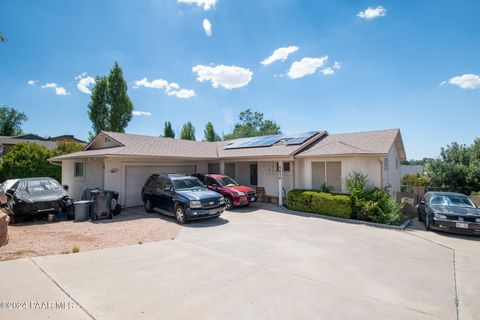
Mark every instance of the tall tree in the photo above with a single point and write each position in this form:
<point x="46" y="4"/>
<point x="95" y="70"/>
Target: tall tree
<point x="188" y="131"/>
<point x="210" y="134"/>
<point x="11" y="121"/>
<point x="2" y="38"/>
<point x="110" y="108"/>
<point x="121" y="106"/>
<point x="168" y="131"/>
<point x="251" y="124"/>
<point x="98" y="108"/>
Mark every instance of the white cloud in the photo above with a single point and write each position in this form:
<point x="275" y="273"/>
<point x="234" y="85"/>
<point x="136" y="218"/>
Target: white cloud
<point x="466" y="81"/>
<point x="85" y="83"/>
<point x="328" y="71"/>
<point x="207" y="26"/>
<point x="206" y="4"/>
<point x="33" y="83"/>
<point x="305" y="67"/>
<point x="279" y="54"/>
<point x="337" y="65"/>
<point x="59" y="91"/>
<point x="141" y="113"/>
<point x="372" y="13"/>
<point x="229" y="77"/>
<point x="171" y="88"/>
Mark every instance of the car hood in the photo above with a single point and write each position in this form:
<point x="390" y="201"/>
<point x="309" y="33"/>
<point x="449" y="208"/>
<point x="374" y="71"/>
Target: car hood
<point x="41" y="196"/>
<point x="456" y="210"/>
<point x="240" y="189"/>
<point x="199" y="194"/>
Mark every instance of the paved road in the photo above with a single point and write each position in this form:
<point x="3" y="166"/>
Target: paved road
<point x="258" y="264"/>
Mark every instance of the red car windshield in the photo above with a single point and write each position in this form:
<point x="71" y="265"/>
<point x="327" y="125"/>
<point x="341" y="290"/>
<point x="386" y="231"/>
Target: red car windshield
<point x="227" y="182"/>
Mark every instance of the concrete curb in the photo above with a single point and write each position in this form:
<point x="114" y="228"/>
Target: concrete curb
<point x="403" y="226"/>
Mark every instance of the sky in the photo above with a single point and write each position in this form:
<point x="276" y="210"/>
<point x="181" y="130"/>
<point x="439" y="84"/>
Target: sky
<point x="340" y="66"/>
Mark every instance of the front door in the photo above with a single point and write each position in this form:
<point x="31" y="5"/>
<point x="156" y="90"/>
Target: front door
<point x="253" y="174"/>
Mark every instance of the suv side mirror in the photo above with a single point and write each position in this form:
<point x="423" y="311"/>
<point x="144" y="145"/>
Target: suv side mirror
<point x="10" y="192"/>
<point x="215" y="185"/>
<point x="422" y="202"/>
<point x="167" y="189"/>
<point x="65" y="187"/>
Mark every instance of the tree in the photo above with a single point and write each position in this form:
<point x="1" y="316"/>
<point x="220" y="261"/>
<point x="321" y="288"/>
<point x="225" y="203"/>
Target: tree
<point x="188" y="131"/>
<point x="210" y="134"/>
<point x="168" y="131"/>
<point x="110" y="108"/>
<point x="252" y="124"/>
<point x="31" y="160"/>
<point x="2" y="38"/>
<point x="457" y="168"/>
<point x="11" y="121"/>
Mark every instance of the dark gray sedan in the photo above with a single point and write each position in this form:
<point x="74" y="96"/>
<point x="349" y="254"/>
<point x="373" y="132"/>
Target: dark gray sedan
<point x="449" y="211"/>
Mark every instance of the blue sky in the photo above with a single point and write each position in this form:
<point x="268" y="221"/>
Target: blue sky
<point x="412" y="65"/>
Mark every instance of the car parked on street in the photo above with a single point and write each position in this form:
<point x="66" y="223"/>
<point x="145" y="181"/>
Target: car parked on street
<point x="7" y="184"/>
<point x="184" y="197"/>
<point x="235" y="194"/>
<point x="35" y="196"/>
<point x="449" y="211"/>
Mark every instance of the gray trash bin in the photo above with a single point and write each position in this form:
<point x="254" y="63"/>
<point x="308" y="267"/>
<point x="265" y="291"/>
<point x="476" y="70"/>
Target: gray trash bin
<point x="82" y="210"/>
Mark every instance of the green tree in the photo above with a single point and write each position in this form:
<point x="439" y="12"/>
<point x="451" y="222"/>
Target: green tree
<point x="110" y="108"/>
<point x="11" y="121"/>
<point x="252" y="124"/>
<point x="168" y="131"/>
<point x="188" y="131"/>
<point x="210" y="134"/>
<point x="2" y="38"/>
<point x="28" y="160"/>
<point x="457" y="168"/>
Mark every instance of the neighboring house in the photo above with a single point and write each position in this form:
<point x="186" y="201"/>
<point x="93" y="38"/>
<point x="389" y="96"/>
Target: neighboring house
<point x="122" y="162"/>
<point x="410" y="169"/>
<point x="8" y="143"/>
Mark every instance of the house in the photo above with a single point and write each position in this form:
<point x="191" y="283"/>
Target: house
<point x="7" y="143"/>
<point x="122" y="162"/>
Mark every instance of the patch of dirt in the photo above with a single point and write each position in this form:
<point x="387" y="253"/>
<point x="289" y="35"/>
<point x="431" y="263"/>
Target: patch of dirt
<point x="132" y="226"/>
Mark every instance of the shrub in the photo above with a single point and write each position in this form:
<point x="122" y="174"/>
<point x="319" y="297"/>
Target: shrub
<point x="372" y="204"/>
<point x="326" y="188"/>
<point x="75" y="249"/>
<point x="319" y="202"/>
<point x="415" y="179"/>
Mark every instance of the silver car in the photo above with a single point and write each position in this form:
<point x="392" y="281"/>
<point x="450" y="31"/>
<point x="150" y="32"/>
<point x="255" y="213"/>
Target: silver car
<point x="7" y="184"/>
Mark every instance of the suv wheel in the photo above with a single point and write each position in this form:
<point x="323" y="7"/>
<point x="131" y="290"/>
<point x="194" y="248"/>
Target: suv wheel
<point x="180" y="214"/>
<point x="148" y="206"/>
<point x="228" y="203"/>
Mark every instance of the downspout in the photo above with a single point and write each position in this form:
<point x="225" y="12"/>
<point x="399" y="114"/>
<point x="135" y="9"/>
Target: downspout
<point x="381" y="172"/>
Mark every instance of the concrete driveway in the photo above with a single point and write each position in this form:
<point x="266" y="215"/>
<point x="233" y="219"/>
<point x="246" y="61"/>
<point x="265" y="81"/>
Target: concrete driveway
<point x="258" y="263"/>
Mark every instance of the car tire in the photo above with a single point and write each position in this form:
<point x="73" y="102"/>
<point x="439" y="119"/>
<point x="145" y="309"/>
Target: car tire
<point x="180" y="214"/>
<point x="148" y="206"/>
<point x="11" y="219"/>
<point x="94" y="217"/>
<point x="427" y="223"/>
<point x="228" y="203"/>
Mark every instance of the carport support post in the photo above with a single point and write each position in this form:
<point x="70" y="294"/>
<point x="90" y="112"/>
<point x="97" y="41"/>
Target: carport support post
<point x="280" y="183"/>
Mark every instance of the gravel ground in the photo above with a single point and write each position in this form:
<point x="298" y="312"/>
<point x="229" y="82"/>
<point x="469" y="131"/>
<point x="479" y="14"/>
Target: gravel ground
<point x="132" y="226"/>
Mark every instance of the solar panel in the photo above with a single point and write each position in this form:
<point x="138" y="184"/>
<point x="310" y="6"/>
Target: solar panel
<point x="266" y="141"/>
<point x="301" y="138"/>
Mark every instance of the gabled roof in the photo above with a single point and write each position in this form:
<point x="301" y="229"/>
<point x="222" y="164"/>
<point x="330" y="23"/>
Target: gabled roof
<point x="357" y="143"/>
<point x="122" y="144"/>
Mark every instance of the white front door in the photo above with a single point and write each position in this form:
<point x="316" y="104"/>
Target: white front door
<point x="135" y="177"/>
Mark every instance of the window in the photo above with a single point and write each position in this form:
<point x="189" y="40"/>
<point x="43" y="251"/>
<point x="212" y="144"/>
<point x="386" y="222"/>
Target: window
<point x="214" y="167"/>
<point x="329" y="173"/>
<point x="385" y="164"/>
<point x="78" y="171"/>
<point x="286" y="167"/>
<point x="397" y="163"/>
<point x="209" y="181"/>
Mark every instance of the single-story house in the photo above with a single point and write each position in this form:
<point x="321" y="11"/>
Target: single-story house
<point x="122" y="162"/>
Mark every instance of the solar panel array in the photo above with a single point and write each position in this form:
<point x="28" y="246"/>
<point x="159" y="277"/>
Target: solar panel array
<point x="266" y="141"/>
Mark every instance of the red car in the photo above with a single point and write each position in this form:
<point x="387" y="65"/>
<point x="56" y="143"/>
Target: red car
<point x="235" y="194"/>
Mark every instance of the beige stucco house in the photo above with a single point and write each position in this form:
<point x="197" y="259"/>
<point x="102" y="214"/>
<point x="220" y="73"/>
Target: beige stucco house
<point x="122" y="162"/>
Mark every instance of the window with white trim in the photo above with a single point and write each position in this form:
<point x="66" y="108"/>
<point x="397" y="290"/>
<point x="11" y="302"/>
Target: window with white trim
<point x="79" y="169"/>
<point x="385" y="164"/>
